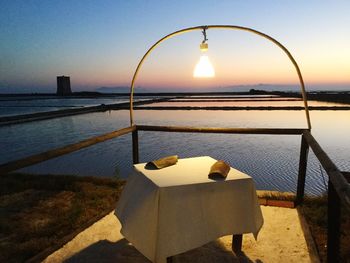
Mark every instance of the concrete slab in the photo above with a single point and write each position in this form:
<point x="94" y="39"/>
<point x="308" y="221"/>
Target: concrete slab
<point x="280" y="240"/>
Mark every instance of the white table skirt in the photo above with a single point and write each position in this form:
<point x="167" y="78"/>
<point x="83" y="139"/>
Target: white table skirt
<point x="169" y="211"/>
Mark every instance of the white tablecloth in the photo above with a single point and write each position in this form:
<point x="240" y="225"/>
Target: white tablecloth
<point x="169" y="211"/>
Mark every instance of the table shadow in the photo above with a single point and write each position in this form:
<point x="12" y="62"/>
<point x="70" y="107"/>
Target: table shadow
<point x="213" y="252"/>
<point x="105" y="251"/>
<point x="122" y="251"/>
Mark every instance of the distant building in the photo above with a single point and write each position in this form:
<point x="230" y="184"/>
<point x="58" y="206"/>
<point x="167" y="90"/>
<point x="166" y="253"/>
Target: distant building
<point x="63" y="86"/>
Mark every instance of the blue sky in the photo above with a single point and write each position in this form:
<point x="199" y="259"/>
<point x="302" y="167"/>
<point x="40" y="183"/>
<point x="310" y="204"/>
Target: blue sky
<point x="99" y="43"/>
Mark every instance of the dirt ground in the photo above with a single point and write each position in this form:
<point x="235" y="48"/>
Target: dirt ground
<point x="280" y="240"/>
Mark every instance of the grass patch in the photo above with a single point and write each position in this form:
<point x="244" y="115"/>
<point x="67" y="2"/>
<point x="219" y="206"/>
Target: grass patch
<point x="38" y="211"/>
<point x="315" y="210"/>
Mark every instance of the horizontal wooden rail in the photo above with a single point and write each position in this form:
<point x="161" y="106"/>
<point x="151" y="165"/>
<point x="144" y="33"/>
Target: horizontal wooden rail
<point x="340" y="184"/>
<point x="281" y="131"/>
<point x="38" y="158"/>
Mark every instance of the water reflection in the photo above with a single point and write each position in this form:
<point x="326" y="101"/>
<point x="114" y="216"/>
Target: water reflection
<point x="271" y="160"/>
<point x="239" y="118"/>
<point x="10" y="106"/>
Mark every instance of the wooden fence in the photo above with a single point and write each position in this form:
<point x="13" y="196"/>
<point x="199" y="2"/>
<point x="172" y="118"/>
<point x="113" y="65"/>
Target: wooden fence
<point x="338" y="186"/>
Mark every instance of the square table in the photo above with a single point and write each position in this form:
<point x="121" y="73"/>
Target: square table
<point x="172" y="210"/>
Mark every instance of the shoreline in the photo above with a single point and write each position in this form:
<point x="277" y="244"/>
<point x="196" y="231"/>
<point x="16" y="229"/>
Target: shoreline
<point x="336" y="97"/>
<point x="38" y="116"/>
<point x="310" y="94"/>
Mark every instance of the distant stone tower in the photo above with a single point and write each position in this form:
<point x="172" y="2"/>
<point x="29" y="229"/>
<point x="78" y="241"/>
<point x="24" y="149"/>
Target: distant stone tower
<point x="63" y="86"/>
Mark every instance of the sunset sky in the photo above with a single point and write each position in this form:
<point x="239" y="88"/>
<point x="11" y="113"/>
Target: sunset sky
<point x="99" y="43"/>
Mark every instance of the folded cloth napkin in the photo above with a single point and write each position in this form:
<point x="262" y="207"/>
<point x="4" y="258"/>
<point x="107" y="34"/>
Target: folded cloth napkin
<point x="163" y="162"/>
<point x="219" y="170"/>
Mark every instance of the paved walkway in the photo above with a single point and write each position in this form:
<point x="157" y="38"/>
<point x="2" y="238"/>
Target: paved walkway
<point x="280" y="240"/>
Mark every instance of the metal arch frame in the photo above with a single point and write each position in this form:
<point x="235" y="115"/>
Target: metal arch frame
<point x="302" y="85"/>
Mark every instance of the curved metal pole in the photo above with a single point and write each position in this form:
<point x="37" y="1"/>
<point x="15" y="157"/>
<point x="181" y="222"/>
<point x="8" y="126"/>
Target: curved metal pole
<point x="302" y="85"/>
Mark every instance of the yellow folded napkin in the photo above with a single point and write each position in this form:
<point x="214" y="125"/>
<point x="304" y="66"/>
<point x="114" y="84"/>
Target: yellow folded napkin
<point x="163" y="162"/>
<point x="219" y="170"/>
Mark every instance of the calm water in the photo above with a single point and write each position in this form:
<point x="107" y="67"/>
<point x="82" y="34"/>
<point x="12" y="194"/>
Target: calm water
<point x="272" y="160"/>
<point x="10" y="106"/>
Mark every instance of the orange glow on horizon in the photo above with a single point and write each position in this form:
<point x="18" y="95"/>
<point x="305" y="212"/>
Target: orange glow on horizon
<point x="237" y="62"/>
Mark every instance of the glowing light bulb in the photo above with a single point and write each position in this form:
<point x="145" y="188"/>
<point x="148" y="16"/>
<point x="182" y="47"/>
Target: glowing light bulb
<point x="203" y="68"/>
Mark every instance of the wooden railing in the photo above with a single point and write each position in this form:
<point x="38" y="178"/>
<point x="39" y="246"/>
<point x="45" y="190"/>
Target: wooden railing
<point x="338" y="193"/>
<point x="41" y="157"/>
<point x="338" y="187"/>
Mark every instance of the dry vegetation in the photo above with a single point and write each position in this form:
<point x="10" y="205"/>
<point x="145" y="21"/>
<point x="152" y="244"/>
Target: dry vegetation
<point x="315" y="211"/>
<point x="38" y="211"/>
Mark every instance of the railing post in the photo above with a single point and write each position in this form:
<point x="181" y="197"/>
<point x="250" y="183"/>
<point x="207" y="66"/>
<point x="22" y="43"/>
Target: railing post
<point x="135" y="147"/>
<point x="304" y="150"/>
<point x="333" y="228"/>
